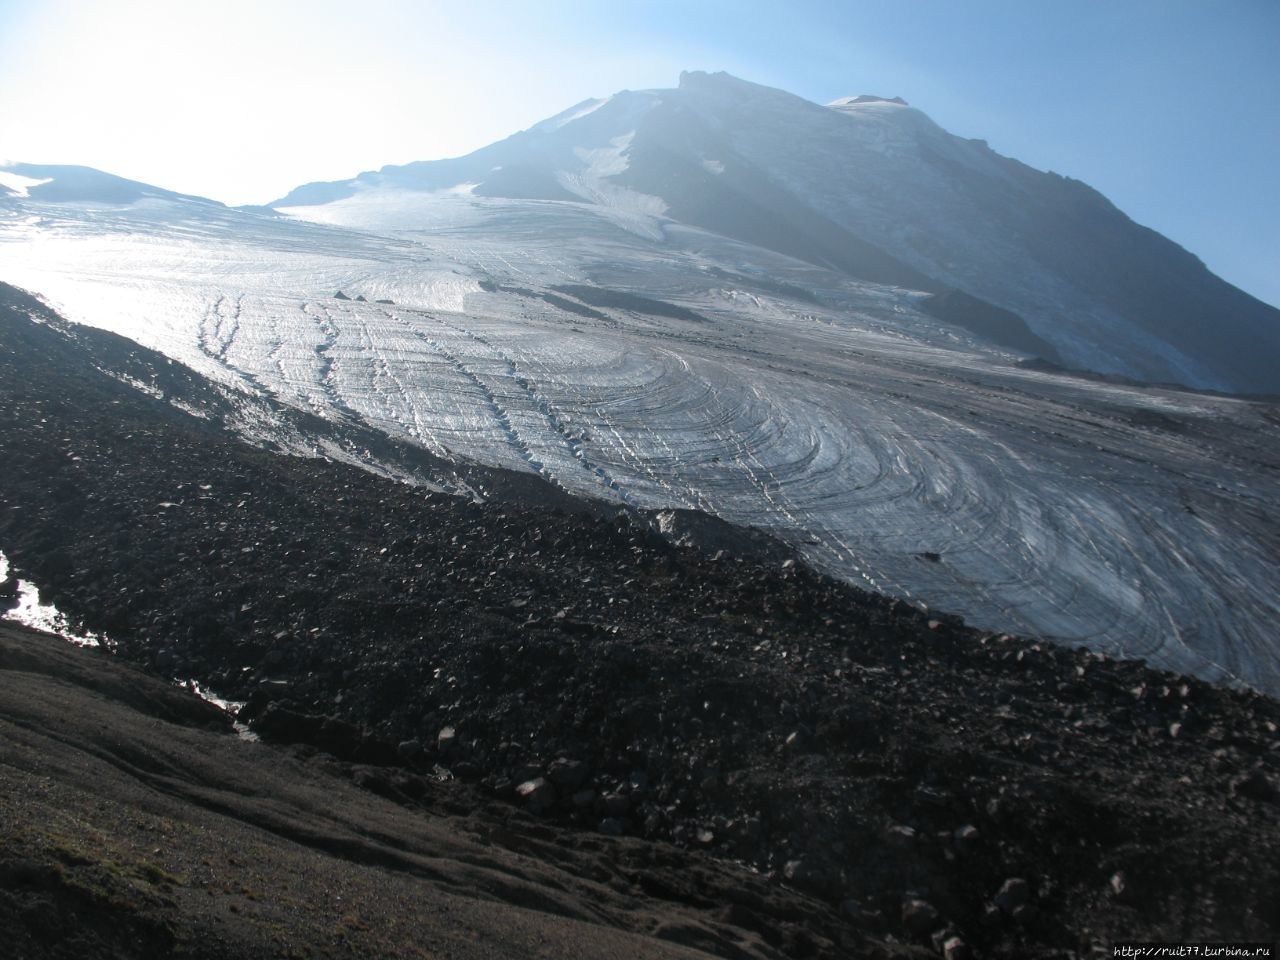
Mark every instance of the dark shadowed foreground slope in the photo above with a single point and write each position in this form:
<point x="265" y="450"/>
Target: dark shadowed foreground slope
<point x="914" y="782"/>
<point x="137" y="825"/>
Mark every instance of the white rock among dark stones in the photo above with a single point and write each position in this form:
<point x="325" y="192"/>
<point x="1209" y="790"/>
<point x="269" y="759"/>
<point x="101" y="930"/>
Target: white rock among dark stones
<point x="797" y="742"/>
<point x="795" y="870"/>
<point x="1013" y="893"/>
<point x="966" y="837"/>
<point x="537" y="795"/>
<point x="900" y="835"/>
<point x="1118" y="884"/>
<point x="446" y="741"/>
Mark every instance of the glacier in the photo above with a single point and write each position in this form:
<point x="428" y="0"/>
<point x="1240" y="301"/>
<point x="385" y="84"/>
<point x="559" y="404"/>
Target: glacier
<point x="689" y="370"/>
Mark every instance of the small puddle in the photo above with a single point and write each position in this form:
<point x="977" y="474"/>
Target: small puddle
<point x="30" y="612"/>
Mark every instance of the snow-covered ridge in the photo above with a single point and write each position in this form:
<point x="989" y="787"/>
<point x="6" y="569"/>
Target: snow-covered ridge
<point x="577" y="112"/>
<point x="68" y="183"/>
<point x="866" y="98"/>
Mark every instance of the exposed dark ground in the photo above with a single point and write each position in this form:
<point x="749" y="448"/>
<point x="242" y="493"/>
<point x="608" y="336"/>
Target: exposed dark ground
<point x="135" y="825"/>
<point x="896" y="779"/>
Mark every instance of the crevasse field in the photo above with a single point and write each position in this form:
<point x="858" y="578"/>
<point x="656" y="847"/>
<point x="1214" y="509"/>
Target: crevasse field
<point x="885" y="446"/>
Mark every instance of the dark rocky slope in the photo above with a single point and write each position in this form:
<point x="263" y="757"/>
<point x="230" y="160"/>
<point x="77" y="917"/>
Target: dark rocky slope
<point x="924" y="781"/>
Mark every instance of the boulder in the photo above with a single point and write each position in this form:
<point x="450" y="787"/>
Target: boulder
<point x="1013" y="893"/>
<point x="538" y="795"/>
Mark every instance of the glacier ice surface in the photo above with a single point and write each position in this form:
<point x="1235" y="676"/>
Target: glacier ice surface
<point x="887" y="447"/>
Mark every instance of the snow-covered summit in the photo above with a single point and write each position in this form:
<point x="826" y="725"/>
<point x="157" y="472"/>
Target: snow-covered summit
<point x="866" y="98"/>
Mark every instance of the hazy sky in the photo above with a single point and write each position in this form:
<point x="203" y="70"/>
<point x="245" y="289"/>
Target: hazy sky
<point x="1169" y="107"/>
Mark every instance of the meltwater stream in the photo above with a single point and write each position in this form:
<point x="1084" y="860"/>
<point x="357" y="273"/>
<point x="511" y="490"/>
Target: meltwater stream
<point x="30" y="612"/>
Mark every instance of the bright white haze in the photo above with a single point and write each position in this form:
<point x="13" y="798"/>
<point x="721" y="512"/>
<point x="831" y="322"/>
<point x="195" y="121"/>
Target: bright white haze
<point x="1166" y="106"/>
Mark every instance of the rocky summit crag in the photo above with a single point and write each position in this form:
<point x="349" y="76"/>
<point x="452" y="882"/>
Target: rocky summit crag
<point x="921" y="786"/>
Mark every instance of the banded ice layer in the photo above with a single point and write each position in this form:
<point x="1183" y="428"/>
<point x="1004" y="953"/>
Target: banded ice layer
<point x="890" y="450"/>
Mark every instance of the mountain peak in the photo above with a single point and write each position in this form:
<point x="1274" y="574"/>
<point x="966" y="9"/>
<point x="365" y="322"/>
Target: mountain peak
<point x="871" y="187"/>
<point x="697" y="78"/>
<point x="63" y="183"/>
<point x="720" y="85"/>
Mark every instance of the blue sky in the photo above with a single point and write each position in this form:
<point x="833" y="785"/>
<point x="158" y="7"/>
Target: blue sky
<point x="1169" y="107"/>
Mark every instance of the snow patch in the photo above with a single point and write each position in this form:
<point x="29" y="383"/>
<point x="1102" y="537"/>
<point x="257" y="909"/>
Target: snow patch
<point x="632" y="210"/>
<point x="30" y="612"/>
<point x="605" y="161"/>
<point x="19" y="184"/>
